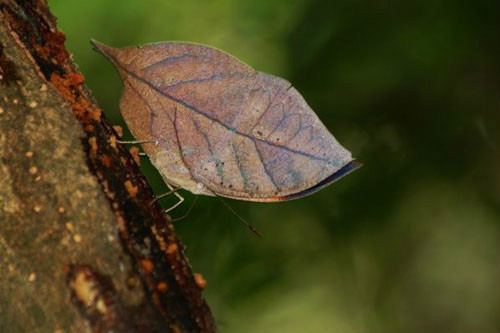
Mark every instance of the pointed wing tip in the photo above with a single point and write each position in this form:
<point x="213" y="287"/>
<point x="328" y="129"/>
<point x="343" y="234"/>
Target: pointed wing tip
<point x="342" y="172"/>
<point x="345" y="170"/>
<point x="354" y="165"/>
<point x="95" y="44"/>
<point x="100" y="47"/>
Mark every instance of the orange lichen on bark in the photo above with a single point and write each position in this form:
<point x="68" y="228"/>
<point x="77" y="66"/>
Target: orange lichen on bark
<point x="162" y="286"/>
<point x="118" y="130"/>
<point x="134" y="151"/>
<point x="62" y="86"/>
<point x="112" y="142"/>
<point x="106" y="160"/>
<point x="131" y="189"/>
<point x="200" y="281"/>
<point x="172" y="248"/>
<point x="53" y="48"/>
<point x="93" y="145"/>
<point x="68" y="87"/>
<point x="95" y="114"/>
<point x="147" y="265"/>
<point x="75" y="79"/>
<point x="80" y="108"/>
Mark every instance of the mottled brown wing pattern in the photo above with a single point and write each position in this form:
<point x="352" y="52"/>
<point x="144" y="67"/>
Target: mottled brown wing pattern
<point x="224" y="129"/>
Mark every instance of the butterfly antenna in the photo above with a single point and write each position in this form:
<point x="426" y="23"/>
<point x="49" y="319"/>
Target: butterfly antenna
<point x="188" y="211"/>
<point x="248" y="225"/>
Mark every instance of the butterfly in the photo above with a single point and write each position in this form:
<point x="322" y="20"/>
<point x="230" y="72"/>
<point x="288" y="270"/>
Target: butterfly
<point x="213" y="125"/>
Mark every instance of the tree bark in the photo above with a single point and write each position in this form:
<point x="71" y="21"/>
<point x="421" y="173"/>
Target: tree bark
<point x="81" y="248"/>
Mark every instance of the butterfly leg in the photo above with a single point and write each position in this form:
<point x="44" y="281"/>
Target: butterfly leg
<point x="134" y="142"/>
<point x="174" y="191"/>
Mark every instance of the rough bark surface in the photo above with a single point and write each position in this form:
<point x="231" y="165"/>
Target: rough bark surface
<point x="81" y="248"/>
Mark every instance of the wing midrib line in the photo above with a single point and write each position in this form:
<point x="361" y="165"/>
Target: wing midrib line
<point x="197" y="111"/>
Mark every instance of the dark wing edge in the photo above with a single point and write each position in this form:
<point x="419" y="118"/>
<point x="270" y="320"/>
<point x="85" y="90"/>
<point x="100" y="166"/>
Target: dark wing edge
<point x="345" y="170"/>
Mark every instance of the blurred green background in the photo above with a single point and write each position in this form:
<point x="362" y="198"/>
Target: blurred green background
<point x="408" y="243"/>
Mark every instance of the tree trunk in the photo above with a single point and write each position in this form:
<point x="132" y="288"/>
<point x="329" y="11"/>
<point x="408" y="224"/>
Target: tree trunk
<point x="81" y="248"/>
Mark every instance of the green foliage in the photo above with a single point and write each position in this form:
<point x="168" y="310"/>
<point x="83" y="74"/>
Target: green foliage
<point x="408" y="243"/>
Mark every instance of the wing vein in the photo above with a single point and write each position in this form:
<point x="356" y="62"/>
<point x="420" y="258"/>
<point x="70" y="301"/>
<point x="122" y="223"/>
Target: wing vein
<point x="196" y="110"/>
<point x="267" y="172"/>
